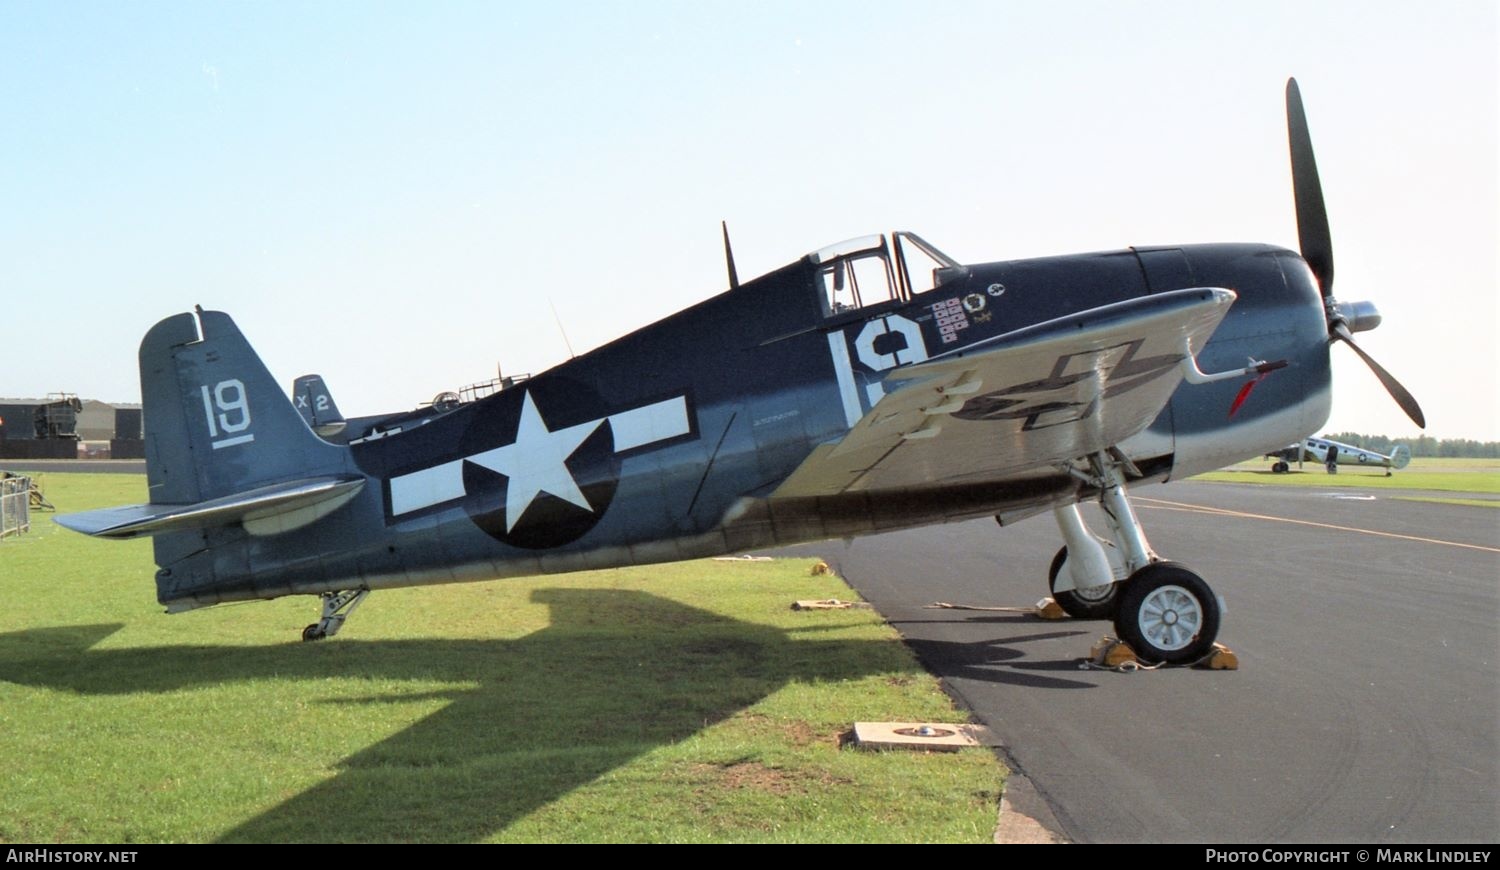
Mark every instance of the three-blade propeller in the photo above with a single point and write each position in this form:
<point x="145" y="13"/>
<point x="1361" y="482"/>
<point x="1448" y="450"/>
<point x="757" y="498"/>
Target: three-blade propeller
<point x="1317" y="245"/>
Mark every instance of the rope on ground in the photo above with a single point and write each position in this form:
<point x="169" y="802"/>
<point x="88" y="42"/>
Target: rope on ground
<point x="943" y="605"/>
<point x="1121" y="668"/>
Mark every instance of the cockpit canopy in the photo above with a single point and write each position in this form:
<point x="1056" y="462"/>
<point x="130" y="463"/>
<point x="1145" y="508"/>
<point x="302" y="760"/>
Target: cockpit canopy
<point x="865" y="271"/>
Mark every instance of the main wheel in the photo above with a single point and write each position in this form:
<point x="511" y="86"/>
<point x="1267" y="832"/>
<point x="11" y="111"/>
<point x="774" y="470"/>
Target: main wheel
<point x="1167" y="614"/>
<point x="1086" y="602"/>
<point x="312" y="633"/>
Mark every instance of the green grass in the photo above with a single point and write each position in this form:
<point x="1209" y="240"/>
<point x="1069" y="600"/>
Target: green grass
<point x="1441" y="475"/>
<point x="1455" y="463"/>
<point x="671" y="703"/>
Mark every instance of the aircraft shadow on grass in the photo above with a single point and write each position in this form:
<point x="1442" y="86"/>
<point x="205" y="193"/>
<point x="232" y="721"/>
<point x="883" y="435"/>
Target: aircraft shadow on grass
<point x="524" y="736"/>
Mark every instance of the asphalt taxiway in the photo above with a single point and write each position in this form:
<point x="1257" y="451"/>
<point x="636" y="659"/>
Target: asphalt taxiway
<point x="1367" y="704"/>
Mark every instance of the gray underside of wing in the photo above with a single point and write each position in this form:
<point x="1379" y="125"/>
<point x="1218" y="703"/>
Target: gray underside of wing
<point x="1022" y="401"/>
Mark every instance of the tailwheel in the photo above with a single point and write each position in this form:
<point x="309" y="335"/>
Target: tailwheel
<point x="1168" y="614"/>
<point x="1084" y="602"/>
<point x="336" y="608"/>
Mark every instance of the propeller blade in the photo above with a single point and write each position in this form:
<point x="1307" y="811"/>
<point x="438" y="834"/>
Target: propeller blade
<point x="1402" y="396"/>
<point x="1312" y="215"/>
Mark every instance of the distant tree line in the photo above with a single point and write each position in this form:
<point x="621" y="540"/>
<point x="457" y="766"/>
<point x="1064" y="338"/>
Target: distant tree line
<point x="1423" y="445"/>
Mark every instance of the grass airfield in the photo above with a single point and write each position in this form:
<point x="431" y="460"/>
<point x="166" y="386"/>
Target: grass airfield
<point x="1419" y="480"/>
<point x="670" y="703"/>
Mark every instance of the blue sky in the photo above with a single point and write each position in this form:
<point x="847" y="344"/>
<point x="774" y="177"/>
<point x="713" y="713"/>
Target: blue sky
<point x="396" y="195"/>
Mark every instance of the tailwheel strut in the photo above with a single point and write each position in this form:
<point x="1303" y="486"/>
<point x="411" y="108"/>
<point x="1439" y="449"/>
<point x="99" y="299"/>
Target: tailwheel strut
<point x="336" y="608"/>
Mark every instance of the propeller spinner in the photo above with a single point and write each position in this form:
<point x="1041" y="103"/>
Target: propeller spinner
<point x="1316" y="243"/>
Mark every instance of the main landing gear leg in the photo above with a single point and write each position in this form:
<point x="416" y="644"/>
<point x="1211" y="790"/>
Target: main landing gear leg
<point x="1083" y="573"/>
<point x="1164" y="611"/>
<point x="1086" y="572"/>
<point x="336" y="608"/>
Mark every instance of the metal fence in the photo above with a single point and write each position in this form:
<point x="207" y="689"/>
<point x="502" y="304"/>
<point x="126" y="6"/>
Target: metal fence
<point x="15" y="506"/>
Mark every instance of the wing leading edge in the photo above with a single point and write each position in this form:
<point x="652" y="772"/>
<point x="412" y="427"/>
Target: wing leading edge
<point x="1028" y="399"/>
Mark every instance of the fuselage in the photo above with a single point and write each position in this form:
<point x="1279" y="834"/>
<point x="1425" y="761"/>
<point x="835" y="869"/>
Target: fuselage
<point x="671" y="442"/>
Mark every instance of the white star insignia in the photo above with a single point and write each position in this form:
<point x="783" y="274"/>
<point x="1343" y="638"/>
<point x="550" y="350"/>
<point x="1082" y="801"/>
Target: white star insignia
<point x="536" y="462"/>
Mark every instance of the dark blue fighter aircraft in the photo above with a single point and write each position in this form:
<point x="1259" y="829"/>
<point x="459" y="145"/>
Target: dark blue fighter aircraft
<point x="872" y="385"/>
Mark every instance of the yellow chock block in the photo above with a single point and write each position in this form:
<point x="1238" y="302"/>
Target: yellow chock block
<point x="1112" y="652"/>
<point x="1049" y="609"/>
<point x="1221" y="659"/>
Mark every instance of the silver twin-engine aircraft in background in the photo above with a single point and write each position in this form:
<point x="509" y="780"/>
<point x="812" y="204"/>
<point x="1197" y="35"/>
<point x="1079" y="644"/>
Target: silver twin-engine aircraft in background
<point x="1331" y="454"/>
<point x="872" y="385"/>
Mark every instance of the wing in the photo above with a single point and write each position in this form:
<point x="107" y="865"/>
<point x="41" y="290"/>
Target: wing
<point x="1024" y="400"/>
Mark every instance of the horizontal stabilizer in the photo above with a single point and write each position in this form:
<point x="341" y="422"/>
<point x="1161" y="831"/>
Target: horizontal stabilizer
<point x="265" y="510"/>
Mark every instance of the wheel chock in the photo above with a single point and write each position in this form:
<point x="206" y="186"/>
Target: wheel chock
<point x="1221" y="659"/>
<point x="1112" y="652"/>
<point x="1116" y="655"/>
<point x="1049" y="609"/>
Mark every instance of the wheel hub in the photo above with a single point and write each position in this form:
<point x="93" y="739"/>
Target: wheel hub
<point x="1095" y="593"/>
<point x="1170" y="617"/>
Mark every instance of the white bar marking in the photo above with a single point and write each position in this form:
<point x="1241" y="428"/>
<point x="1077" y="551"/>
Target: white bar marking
<point x="430" y="486"/>
<point x="230" y="442"/>
<point x="844" y="371"/>
<point x="649" y="424"/>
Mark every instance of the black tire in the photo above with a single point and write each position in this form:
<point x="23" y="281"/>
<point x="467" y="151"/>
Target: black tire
<point x="1167" y="614"/>
<point x="1097" y="602"/>
<point x="312" y="633"/>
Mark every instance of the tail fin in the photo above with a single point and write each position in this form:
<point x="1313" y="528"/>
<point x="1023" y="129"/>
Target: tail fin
<point x="315" y="403"/>
<point x="227" y="456"/>
<point x="224" y="446"/>
<point x="1400" y="457"/>
<point x="217" y="424"/>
